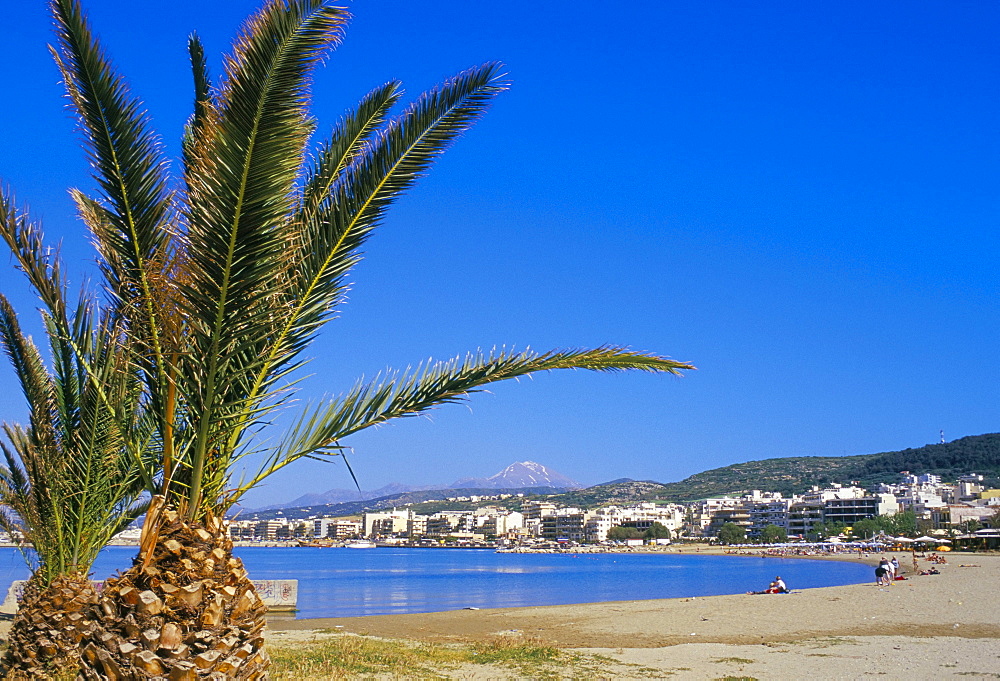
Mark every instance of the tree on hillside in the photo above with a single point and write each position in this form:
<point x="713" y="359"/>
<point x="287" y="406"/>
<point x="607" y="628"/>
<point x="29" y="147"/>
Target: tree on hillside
<point x="731" y="533"/>
<point x="222" y="278"/>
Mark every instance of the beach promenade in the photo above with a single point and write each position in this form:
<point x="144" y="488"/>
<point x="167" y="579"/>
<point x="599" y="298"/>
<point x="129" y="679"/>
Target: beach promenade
<point x="926" y="627"/>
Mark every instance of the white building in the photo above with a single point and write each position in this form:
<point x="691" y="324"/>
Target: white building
<point x="336" y="528"/>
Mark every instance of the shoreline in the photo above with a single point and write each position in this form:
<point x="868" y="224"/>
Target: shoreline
<point x="917" y="606"/>
<point x="926" y="627"/>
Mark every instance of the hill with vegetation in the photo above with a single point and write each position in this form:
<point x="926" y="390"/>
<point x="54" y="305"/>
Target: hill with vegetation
<point x="790" y="475"/>
<point x="794" y="475"/>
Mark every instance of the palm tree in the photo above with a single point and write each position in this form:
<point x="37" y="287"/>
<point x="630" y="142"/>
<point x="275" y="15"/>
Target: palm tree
<point x="222" y="280"/>
<point x="69" y="483"/>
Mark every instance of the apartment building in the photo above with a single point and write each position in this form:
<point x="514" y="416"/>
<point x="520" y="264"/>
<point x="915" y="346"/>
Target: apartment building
<point x="336" y="528"/>
<point x="700" y="513"/>
<point x="385" y="524"/>
<point x="446" y="523"/>
<point x="851" y="510"/>
<point x="767" y="509"/>
<point x="565" y="524"/>
<point x="737" y="515"/>
<point x="502" y="524"/>
<point x="640" y="516"/>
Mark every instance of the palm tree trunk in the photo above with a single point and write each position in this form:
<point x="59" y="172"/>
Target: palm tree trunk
<point x="48" y="627"/>
<point x="189" y="613"/>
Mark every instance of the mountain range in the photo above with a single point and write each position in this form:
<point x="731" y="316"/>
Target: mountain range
<point x="520" y="475"/>
<point x="790" y="475"/>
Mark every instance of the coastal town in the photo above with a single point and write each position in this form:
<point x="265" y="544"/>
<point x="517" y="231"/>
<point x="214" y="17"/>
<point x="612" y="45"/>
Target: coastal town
<point x="965" y="510"/>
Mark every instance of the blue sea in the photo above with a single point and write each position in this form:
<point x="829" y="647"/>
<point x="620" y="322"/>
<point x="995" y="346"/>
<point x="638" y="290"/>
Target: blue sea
<point x="340" y="582"/>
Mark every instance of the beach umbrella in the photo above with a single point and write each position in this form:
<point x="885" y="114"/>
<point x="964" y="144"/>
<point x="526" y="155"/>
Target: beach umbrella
<point x="902" y="540"/>
<point x="925" y="538"/>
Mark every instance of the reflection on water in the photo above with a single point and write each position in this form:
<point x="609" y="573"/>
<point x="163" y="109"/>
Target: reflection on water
<point x="341" y="582"/>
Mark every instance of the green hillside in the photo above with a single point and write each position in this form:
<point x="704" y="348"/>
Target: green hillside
<point x="794" y="475"/>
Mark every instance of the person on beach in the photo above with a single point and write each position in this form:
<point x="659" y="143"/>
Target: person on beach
<point x="895" y="568"/>
<point x="891" y="576"/>
<point x="881" y="571"/>
<point x="775" y="587"/>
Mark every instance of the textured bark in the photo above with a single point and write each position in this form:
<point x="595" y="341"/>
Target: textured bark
<point x="48" y="627"/>
<point x="191" y="613"/>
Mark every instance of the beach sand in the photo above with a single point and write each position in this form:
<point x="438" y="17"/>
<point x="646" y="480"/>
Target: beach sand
<point x="926" y="627"/>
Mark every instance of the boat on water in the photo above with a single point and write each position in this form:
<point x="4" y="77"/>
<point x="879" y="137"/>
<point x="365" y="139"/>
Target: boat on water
<point x="360" y="545"/>
<point x="316" y="543"/>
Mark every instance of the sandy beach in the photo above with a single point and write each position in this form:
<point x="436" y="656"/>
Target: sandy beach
<point x="926" y="627"/>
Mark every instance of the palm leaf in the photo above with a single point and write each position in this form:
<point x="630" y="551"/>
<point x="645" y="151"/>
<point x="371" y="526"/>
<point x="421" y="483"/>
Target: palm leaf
<point x="438" y="383"/>
<point x="336" y="224"/>
<point x="126" y="157"/>
<point x="246" y="166"/>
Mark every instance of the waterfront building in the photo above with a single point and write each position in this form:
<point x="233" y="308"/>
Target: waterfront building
<point x="737" y="515"/>
<point x="854" y="508"/>
<point x="242" y="530"/>
<point x="700" y="513"/>
<point x="502" y="524"/>
<point x="336" y="528"/>
<point x="416" y="526"/>
<point x="960" y="515"/>
<point x="640" y="516"/>
<point x="534" y="510"/>
<point x="767" y="509"/>
<point x="269" y="530"/>
<point x="565" y="524"/>
<point x="385" y="524"/>
<point x="447" y="523"/>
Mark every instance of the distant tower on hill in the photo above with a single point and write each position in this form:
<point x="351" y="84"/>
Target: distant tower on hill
<point x="942" y="436"/>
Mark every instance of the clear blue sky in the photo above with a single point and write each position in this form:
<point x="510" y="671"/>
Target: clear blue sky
<point x="801" y="199"/>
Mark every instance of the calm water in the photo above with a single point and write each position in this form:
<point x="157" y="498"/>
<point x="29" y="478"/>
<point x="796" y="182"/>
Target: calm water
<point x="336" y="582"/>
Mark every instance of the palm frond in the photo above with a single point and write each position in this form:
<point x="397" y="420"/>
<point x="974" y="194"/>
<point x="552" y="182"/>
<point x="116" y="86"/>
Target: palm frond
<point x="338" y="222"/>
<point x="390" y="165"/>
<point x="346" y="143"/>
<point x="39" y="263"/>
<point x="128" y="164"/>
<point x="194" y="132"/>
<point x="36" y="384"/>
<point x="435" y="384"/>
<point x="71" y="475"/>
<point x="131" y="221"/>
<point x="246" y="164"/>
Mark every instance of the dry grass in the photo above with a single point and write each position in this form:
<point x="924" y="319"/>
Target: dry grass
<point x="343" y="657"/>
<point x="348" y="656"/>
